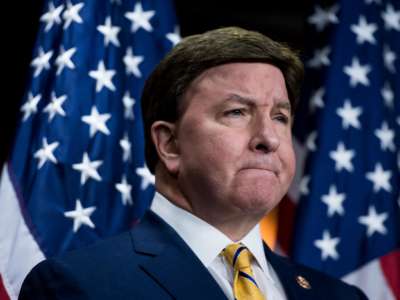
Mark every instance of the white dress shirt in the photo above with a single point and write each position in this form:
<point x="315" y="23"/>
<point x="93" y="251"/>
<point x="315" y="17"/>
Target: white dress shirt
<point x="207" y="242"/>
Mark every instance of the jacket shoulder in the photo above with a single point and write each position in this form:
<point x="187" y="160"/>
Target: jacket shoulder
<point x="108" y="250"/>
<point x="313" y="284"/>
<point x="93" y="272"/>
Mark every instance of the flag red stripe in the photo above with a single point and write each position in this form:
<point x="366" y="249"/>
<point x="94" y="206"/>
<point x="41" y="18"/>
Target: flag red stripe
<point x="287" y="213"/>
<point x="390" y="264"/>
<point x="3" y="292"/>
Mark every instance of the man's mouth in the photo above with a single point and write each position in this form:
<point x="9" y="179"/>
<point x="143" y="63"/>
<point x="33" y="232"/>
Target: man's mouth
<point x="260" y="169"/>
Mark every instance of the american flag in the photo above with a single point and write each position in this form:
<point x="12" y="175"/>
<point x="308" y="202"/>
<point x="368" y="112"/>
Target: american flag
<point x="77" y="173"/>
<point x="348" y="132"/>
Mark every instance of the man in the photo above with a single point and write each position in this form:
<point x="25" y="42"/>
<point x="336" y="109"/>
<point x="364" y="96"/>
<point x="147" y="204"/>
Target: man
<point x="218" y="112"/>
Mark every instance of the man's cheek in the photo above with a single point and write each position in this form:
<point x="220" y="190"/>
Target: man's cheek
<point x="289" y="167"/>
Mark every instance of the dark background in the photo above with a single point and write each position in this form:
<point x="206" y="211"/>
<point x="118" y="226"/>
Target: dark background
<point x="282" y="20"/>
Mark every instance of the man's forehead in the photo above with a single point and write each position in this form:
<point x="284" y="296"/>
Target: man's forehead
<point x="236" y="71"/>
<point x="225" y="70"/>
<point x="240" y="74"/>
<point x="231" y="78"/>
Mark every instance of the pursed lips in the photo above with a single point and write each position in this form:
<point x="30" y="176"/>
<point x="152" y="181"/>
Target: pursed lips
<point x="267" y="169"/>
<point x="266" y="163"/>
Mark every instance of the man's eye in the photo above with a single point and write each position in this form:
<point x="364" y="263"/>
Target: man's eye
<point x="234" y="112"/>
<point x="282" y="118"/>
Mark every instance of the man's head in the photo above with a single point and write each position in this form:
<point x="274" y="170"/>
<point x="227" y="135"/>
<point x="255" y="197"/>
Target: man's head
<point x="217" y="114"/>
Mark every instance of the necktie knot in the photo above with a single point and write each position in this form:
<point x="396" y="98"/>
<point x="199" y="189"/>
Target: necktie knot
<point x="238" y="256"/>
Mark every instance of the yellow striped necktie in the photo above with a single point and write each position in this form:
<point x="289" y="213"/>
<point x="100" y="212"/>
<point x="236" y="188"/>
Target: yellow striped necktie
<point x="244" y="283"/>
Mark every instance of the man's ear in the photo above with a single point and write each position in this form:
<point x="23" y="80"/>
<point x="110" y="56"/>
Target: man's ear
<point x="163" y="136"/>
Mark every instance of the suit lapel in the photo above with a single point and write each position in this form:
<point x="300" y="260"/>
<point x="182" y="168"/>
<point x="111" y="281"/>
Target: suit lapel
<point x="171" y="263"/>
<point x="296" y="285"/>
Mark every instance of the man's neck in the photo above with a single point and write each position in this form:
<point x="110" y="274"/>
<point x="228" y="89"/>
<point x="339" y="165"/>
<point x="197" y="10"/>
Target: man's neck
<point x="235" y="226"/>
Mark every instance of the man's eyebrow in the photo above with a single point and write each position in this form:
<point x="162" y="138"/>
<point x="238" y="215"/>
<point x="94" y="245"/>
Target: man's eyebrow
<point x="284" y="104"/>
<point x="241" y="99"/>
<point x="280" y="104"/>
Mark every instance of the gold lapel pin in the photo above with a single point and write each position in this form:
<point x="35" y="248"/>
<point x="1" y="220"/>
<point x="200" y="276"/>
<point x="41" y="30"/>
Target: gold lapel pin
<point x="301" y="281"/>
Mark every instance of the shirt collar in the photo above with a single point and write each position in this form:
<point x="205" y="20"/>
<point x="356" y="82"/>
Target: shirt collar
<point x="254" y="243"/>
<point x="206" y="241"/>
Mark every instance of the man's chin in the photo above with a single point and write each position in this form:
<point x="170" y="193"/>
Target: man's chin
<point x="258" y="189"/>
<point x="259" y="204"/>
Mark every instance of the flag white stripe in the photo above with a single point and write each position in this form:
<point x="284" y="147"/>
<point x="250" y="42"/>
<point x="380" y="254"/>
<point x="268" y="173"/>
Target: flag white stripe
<point x="368" y="278"/>
<point x="19" y="252"/>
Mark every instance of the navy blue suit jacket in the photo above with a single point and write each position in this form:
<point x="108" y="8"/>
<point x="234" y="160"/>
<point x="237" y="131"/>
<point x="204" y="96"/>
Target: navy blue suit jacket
<point x="152" y="262"/>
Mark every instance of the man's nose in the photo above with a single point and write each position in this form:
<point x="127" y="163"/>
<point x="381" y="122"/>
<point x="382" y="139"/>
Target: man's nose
<point x="264" y="137"/>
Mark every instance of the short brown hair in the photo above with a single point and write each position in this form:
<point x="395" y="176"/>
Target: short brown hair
<point x="193" y="55"/>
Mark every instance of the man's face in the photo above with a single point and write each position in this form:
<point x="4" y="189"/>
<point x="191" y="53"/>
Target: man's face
<point x="234" y="141"/>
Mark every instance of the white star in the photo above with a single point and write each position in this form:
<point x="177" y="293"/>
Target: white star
<point x="41" y="61"/>
<point x="52" y="16"/>
<point x="303" y="186"/>
<point x="140" y="18"/>
<point x="110" y="32"/>
<point x="320" y="58"/>
<point x="349" y="115"/>
<point x="55" y="106"/>
<point x="96" y="121"/>
<point x="380" y="178"/>
<point x="317" y="99"/>
<point x="128" y="102"/>
<point x="327" y="245"/>
<point x="389" y="57"/>
<point x="174" y="37"/>
<point x="342" y="158"/>
<point x="374" y="221"/>
<point x="391" y="18"/>
<point x="125" y="189"/>
<point x="46" y="153"/>
<point x="126" y="148"/>
<point x="80" y="215"/>
<point x="357" y="73"/>
<point x="132" y="63"/>
<point x="388" y="95"/>
<point x="321" y="18"/>
<point x="334" y="201"/>
<point x="64" y="59"/>
<point x="364" y="31"/>
<point x="386" y="137"/>
<point x="30" y="106"/>
<point x="103" y="77"/>
<point x="147" y="177"/>
<point x="71" y="14"/>
<point x="88" y="168"/>
<point x="310" y="142"/>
